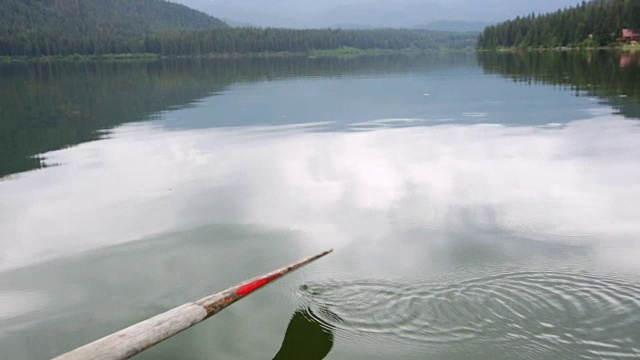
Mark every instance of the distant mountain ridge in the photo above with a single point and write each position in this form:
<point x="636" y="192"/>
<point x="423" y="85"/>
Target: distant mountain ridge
<point x="372" y="13"/>
<point x="450" y="25"/>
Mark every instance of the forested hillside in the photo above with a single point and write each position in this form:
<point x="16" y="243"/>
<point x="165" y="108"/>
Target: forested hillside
<point x="53" y="27"/>
<point x="594" y="23"/>
<point x="36" y="28"/>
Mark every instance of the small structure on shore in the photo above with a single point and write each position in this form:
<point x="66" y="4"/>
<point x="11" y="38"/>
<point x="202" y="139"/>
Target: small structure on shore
<point x="629" y="36"/>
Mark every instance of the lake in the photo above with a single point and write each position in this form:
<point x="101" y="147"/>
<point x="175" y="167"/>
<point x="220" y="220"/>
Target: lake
<point x="479" y="205"/>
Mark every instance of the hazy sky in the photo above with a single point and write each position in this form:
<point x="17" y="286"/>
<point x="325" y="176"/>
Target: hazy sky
<point x="395" y="13"/>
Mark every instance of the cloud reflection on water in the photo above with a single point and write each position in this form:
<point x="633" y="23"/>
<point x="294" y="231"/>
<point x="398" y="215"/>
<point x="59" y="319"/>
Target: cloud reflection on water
<point x="575" y="184"/>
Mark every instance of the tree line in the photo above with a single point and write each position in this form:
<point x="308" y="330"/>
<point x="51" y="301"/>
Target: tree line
<point x="36" y="28"/>
<point x="260" y="40"/>
<point x="594" y="23"/>
<point x="231" y="41"/>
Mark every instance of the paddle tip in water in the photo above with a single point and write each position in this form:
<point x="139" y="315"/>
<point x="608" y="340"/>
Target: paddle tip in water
<point x="215" y="303"/>
<point x="256" y="283"/>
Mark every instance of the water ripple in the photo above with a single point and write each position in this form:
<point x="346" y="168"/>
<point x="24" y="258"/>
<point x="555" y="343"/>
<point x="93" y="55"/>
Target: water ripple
<point x="525" y="312"/>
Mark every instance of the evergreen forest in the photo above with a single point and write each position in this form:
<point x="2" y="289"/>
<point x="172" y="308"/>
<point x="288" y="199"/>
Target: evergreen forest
<point x="36" y="28"/>
<point x="589" y="24"/>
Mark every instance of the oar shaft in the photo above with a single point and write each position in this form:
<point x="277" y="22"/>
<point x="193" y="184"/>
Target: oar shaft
<point x="143" y="335"/>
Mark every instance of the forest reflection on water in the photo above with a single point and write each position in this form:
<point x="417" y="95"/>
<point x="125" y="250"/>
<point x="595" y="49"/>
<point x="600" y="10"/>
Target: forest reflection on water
<point x="611" y="76"/>
<point x="49" y="106"/>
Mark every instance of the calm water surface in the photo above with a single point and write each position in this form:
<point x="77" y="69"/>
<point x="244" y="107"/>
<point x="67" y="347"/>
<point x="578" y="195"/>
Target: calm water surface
<point x="480" y="206"/>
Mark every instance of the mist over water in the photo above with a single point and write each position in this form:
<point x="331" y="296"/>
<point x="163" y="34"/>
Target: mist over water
<point x="471" y="214"/>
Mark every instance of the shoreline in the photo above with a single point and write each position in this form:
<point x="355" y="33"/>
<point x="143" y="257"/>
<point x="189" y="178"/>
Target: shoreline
<point x="562" y="48"/>
<point x="340" y="52"/>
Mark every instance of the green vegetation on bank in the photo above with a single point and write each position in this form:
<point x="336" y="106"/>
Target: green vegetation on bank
<point x="350" y="51"/>
<point x="78" y="57"/>
<point x="590" y="24"/>
<point x="54" y="28"/>
<point x="338" y="53"/>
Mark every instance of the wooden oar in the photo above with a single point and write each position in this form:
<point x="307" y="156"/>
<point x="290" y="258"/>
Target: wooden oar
<point x="143" y="335"/>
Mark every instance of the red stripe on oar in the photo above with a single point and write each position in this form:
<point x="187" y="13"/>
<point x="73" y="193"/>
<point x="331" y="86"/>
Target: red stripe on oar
<point x="247" y="288"/>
